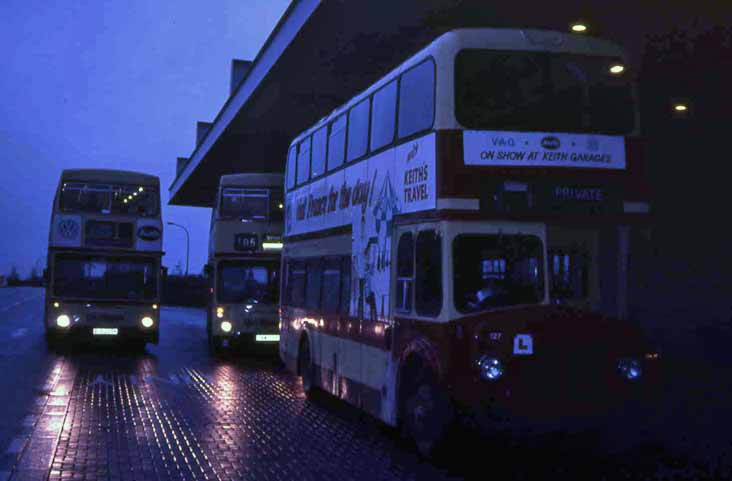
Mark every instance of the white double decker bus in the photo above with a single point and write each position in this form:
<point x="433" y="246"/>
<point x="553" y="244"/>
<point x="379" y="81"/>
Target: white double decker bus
<point x="243" y="266"/>
<point x="457" y="236"/>
<point x="105" y="248"/>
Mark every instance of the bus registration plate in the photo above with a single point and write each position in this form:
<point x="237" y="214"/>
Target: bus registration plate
<point x="105" y="331"/>
<point x="267" y="338"/>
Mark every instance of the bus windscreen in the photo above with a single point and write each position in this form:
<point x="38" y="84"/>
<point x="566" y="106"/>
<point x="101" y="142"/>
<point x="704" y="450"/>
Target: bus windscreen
<point x="245" y="204"/>
<point x="497" y="270"/>
<point x="94" y="277"/>
<point x="539" y="91"/>
<point x="109" y="199"/>
<point x="248" y="282"/>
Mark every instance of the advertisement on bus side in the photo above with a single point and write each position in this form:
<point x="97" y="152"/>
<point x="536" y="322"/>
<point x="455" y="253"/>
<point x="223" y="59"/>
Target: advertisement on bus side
<point x="543" y="149"/>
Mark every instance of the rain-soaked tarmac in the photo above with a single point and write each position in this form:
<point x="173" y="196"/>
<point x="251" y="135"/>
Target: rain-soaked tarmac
<point x="174" y="412"/>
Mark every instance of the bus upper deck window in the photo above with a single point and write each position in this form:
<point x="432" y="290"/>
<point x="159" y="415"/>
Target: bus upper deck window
<point x="358" y="130"/>
<point x="336" y="142"/>
<point x="320" y="140"/>
<point x="303" y="161"/>
<point x="291" y="167"/>
<point x="383" y="116"/>
<point x="417" y="99"/>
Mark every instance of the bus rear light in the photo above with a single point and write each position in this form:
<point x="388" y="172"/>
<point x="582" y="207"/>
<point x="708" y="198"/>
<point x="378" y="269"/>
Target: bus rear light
<point x="56" y="304"/>
<point x="63" y="321"/>
<point x="226" y="326"/>
<point x="154" y="306"/>
<point x="220" y="312"/>
<point x="147" y="322"/>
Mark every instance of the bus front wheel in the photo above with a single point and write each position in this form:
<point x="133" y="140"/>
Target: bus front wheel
<point x="426" y="412"/>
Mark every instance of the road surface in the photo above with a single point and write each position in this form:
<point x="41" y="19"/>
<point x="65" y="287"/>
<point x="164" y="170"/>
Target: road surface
<point x="174" y="412"/>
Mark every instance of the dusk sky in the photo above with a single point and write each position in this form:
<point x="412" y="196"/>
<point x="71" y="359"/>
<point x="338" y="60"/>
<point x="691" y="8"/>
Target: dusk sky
<point x="111" y="84"/>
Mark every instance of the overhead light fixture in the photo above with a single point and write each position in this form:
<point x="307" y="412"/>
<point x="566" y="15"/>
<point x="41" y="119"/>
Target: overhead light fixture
<point x="617" y="69"/>
<point x="681" y="108"/>
<point x="579" y="27"/>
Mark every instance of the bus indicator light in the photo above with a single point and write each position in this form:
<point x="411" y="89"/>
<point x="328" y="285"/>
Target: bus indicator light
<point x="272" y="245"/>
<point x="220" y="312"/>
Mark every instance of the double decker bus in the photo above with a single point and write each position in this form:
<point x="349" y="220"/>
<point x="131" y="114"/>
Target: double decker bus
<point x="105" y="248"/>
<point x="457" y="238"/>
<point x="245" y="242"/>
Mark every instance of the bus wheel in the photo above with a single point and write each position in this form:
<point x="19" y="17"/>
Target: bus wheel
<point x="305" y="368"/>
<point x="426" y="413"/>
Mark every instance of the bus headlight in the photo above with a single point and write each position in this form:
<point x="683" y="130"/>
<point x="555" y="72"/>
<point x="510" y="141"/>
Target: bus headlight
<point x="630" y="369"/>
<point x="491" y="368"/>
<point x="63" y="321"/>
<point x="147" y="322"/>
<point x="226" y="326"/>
<point x="219" y="312"/>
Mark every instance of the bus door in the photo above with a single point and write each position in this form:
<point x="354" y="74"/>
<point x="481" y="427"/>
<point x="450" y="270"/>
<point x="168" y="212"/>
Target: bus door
<point x="573" y="266"/>
<point x="586" y="267"/>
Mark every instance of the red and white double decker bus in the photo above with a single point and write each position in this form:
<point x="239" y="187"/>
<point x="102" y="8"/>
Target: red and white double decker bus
<point x="243" y="266"/>
<point x="457" y="235"/>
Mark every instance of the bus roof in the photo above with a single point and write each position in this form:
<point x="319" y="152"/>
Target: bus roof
<point x="519" y="39"/>
<point x="252" y="180"/>
<point x="109" y="175"/>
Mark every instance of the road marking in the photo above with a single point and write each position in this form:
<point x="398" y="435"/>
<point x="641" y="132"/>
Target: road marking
<point x="19" y="332"/>
<point x="16" y="445"/>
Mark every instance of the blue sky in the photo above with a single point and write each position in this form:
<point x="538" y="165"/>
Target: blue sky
<point x="111" y="84"/>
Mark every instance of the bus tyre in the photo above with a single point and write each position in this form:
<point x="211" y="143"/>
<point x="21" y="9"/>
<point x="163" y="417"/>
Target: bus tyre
<point x="426" y="413"/>
<point x="305" y="368"/>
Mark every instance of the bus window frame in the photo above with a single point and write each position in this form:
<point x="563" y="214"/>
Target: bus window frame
<point x="396" y="141"/>
<point x="325" y="152"/>
<point x="367" y="151"/>
<point x="393" y="138"/>
<point x="291" y="166"/>
<point x="219" y="209"/>
<point x="308" y="138"/>
<point x="431" y="127"/>
<point x="155" y="189"/>
<point x="328" y="168"/>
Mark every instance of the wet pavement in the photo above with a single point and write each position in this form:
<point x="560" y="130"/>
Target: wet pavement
<point x="173" y="412"/>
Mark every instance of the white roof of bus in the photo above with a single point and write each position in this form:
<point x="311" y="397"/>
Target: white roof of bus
<point x="252" y="180"/>
<point x="487" y="38"/>
<point x="109" y="175"/>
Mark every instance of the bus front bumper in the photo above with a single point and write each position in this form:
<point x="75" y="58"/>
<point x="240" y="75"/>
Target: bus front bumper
<point x="104" y="334"/>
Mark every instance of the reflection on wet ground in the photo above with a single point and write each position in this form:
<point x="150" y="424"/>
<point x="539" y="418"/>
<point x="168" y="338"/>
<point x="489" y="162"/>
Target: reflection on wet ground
<point x="173" y="412"/>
